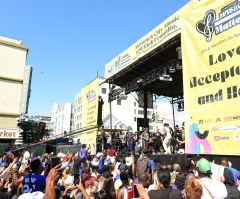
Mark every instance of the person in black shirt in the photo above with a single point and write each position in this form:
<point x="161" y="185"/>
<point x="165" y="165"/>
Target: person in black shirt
<point x="164" y="190"/>
<point x="157" y="141"/>
<point x="175" y="137"/>
<point x="99" y="142"/>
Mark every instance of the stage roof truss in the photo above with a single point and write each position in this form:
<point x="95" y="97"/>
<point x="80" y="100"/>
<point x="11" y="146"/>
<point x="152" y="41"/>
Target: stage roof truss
<point x="151" y="77"/>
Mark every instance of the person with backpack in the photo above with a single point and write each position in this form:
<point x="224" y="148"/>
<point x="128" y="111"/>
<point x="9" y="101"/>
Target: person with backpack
<point x="144" y="164"/>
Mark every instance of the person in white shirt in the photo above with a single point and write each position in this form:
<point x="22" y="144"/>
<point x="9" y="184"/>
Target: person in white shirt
<point x="167" y="139"/>
<point x="25" y="155"/>
<point x="67" y="178"/>
<point x="61" y="154"/>
<point x="211" y="188"/>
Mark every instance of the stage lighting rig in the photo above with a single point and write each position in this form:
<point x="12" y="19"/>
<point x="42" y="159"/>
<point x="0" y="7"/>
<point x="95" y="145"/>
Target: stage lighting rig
<point x="172" y="69"/>
<point x="165" y="78"/>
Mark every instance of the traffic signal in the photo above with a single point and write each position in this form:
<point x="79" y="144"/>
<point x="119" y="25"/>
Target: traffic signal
<point x="153" y="117"/>
<point x="42" y="126"/>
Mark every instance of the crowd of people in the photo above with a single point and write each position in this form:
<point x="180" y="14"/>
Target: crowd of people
<point x="110" y="174"/>
<point x="165" y="140"/>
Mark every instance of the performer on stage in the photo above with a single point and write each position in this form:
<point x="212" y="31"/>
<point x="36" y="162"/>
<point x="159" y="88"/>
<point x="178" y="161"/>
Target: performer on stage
<point x="122" y="137"/>
<point x="99" y="142"/>
<point x="158" y="141"/>
<point x="129" y="141"/>
<point x="145" y="138"/>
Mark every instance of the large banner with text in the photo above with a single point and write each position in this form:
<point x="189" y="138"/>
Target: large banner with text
<point x="90" y="94"/>
<point x="211" y="73"/>
<point x="90" y="103"/>
<point x="158" y="36"/>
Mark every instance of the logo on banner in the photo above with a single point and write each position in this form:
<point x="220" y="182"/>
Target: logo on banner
<point x="208" y="121"/>
<point x="228" y="18"/>
<point x="231" y="118"/>
<point x="230" y="128"/>
<point x="236" y="137"/>
<point x="91" y="95"/>
<point x="218" y="138"/>
<point x="215" y="129"/>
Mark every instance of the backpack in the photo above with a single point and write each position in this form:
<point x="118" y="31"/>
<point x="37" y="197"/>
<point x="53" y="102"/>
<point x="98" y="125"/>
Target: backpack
<point x="143" y="165"/>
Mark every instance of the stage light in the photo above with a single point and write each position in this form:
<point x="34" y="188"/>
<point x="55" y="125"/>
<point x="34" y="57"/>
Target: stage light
<point x="172" y="69"/>
<point x="165" y="78"/>
<point x="178" y="66"/>
<point x="139" y="81"/>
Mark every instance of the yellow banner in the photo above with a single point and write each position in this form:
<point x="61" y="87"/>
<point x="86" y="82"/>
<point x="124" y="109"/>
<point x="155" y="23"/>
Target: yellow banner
<point x="158" y="36"/>
<point x="89" y="138"/>
<point x="90" y="95"/>
<point x="211" y="73"/>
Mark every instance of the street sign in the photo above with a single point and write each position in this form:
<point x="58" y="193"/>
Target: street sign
<point x="44" y="118"/>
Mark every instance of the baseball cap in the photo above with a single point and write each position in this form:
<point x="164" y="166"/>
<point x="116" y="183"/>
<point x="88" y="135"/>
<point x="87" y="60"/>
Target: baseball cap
<point x="145" y="150"/>
<point x="204" y="166"/>
<point x="35" y="159"/>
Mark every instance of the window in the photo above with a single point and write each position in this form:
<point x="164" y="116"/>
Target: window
<point x="135" y="112"/>
<point x="140" y="112"/>
<point x="104" y="90"/>
<point x="135" y="119"/>
<point x="135" y="103"/>
<point x="119" y="102"/>
<point x="149" y="113"/>
<point x="151" y="127"/>
<point x="150" y="120"/>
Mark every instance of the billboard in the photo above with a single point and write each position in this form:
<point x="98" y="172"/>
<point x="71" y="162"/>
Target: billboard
<point x="158" y="36"/>
<point x="211" y="73"/>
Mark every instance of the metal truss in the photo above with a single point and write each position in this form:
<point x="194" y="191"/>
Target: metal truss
<point x="115" y="94"/>
<point x="151" y="76"/>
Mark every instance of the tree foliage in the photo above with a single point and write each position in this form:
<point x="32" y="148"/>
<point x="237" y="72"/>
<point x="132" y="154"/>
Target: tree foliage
<point x="31" y="131"/>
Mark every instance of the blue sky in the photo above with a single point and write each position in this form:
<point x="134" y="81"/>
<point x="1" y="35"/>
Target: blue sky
<point x="70" y="40"/>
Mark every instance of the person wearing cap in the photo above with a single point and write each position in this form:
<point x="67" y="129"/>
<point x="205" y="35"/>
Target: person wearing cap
<point x="211" y="188"/>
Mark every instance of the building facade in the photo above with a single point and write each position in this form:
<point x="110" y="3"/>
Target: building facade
<point x="62" y="118"/>
<point x="124" y="112"/>
<point x="15" y="82"/>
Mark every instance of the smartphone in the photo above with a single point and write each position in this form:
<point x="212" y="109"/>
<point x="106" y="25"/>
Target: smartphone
<point x="10" y="180"/>
<point x="55" y="162"/>
<point x="29" y="161"/>
<point x="76" y="179"/>
<point x="132" y="191"/>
